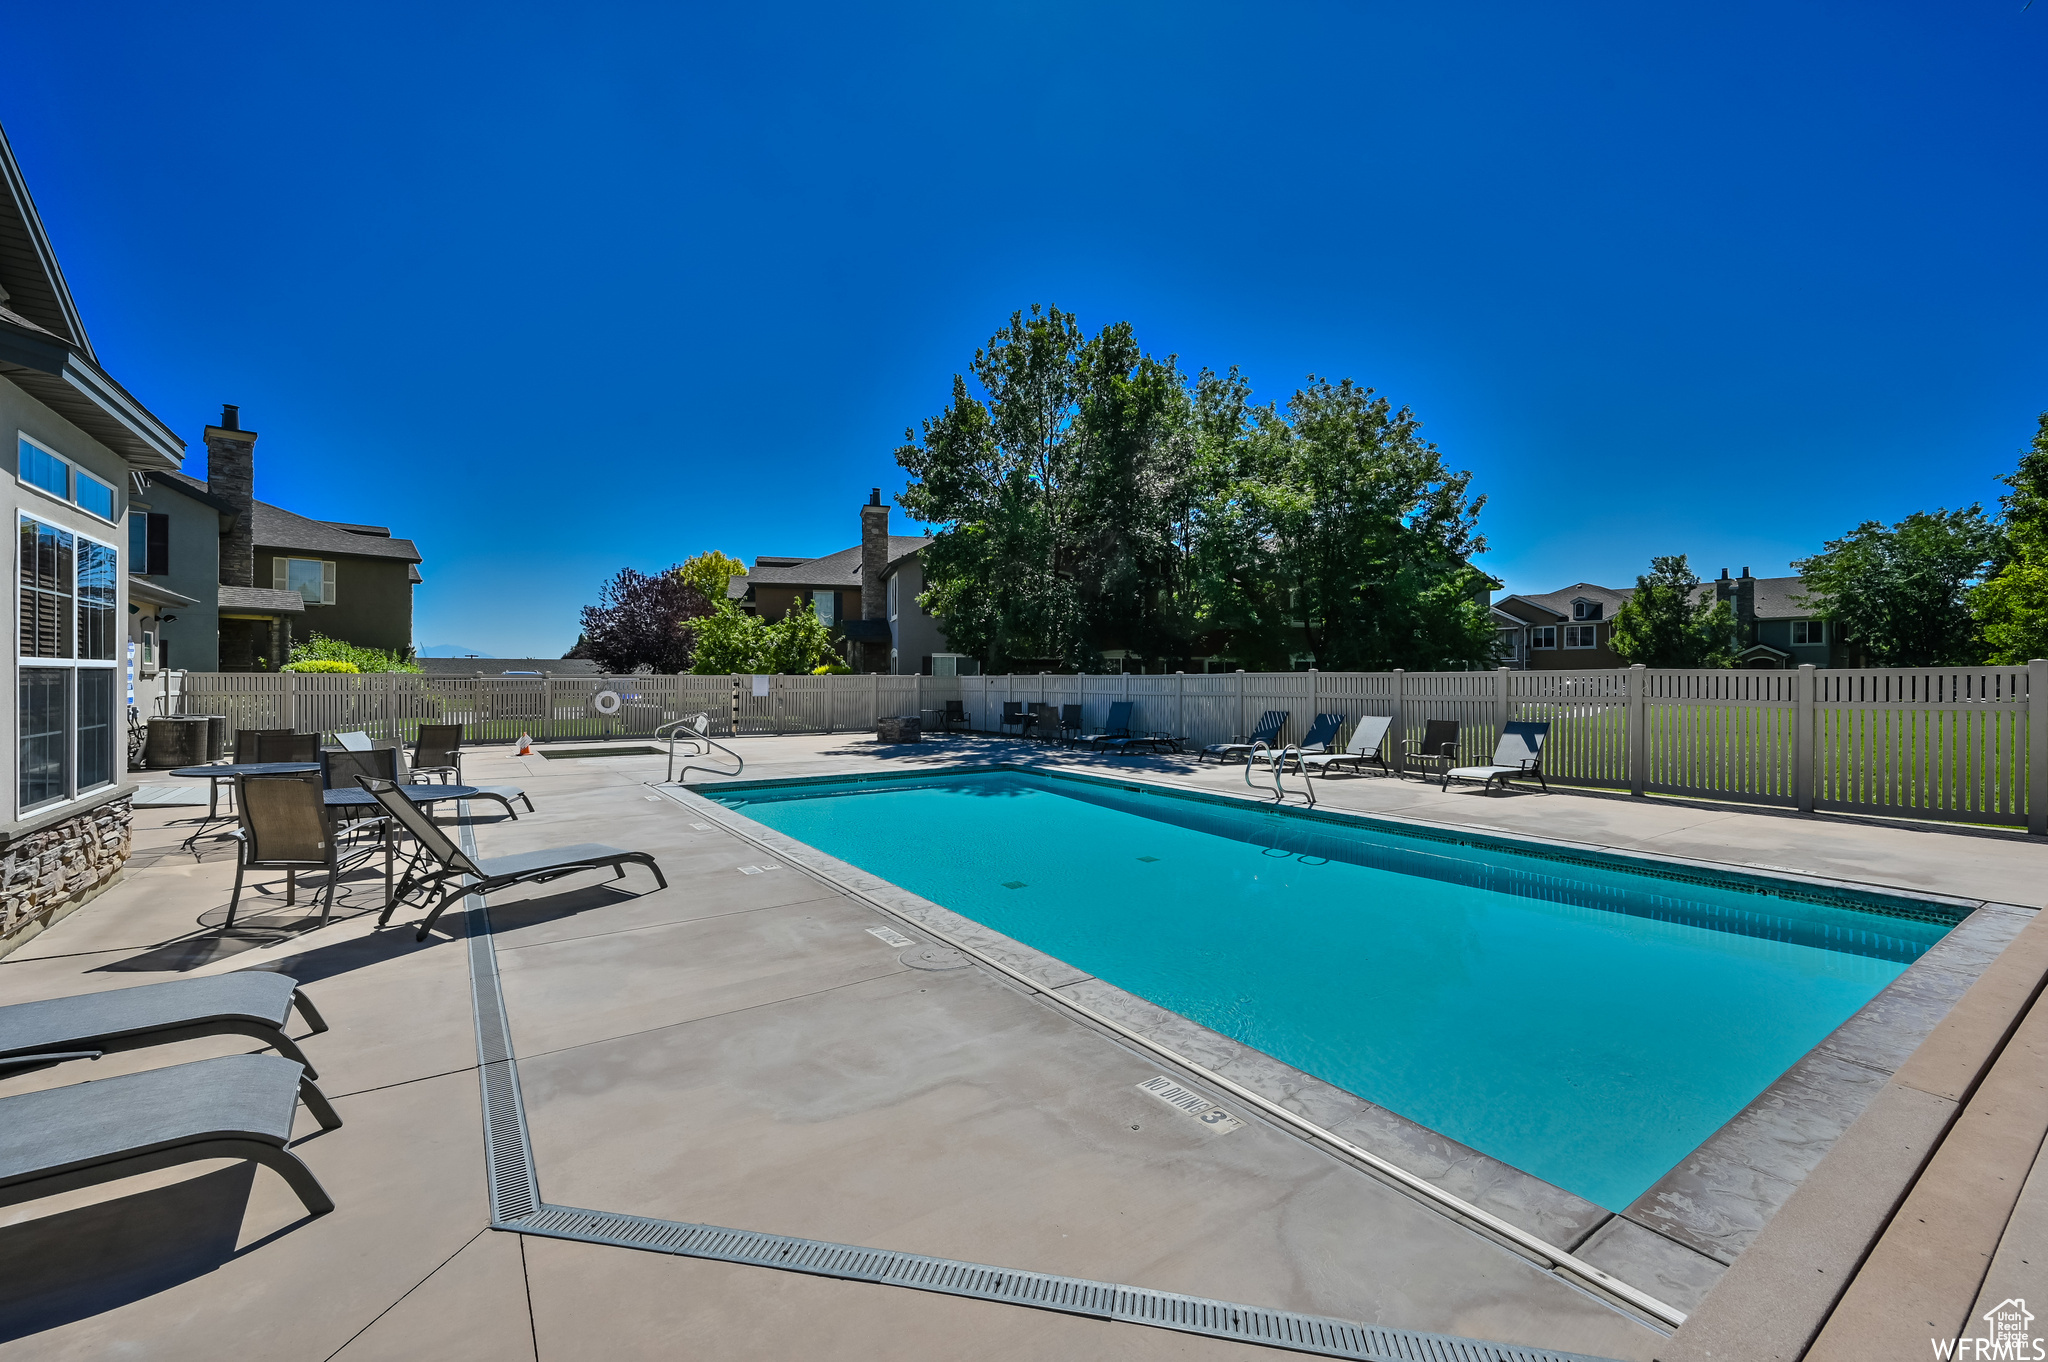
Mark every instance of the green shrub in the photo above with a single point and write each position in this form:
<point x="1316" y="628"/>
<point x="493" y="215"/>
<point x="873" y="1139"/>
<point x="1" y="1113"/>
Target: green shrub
<point x="321" y="664"/>
<point x="832" y="669"/>
<point x="320" y="648"/>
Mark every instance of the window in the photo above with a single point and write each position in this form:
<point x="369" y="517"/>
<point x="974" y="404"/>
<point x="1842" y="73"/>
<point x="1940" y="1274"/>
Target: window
<point x="149" y="543"/>
<point x="95" y="496"/>
<point x="1809" y="631"/>
<point x="826" y="603"/>
<point x="1585" y="610"/>
<point x="892" y="595"/>
<point x="41" y="468"/>
<point x="1543" y="636"/>
<point x="1582" y="636"/>
<point x="310" y="577"/>
<point x="69" y="590"/>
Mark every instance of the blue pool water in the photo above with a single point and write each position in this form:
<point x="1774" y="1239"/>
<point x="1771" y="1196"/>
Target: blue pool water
<point x="1582" y="1021"/>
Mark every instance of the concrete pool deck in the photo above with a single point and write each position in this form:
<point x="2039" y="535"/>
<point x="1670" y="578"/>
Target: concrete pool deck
<point x="740" y="1050"/>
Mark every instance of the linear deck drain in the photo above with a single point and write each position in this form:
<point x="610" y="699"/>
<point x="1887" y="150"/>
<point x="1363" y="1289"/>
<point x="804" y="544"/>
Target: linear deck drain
<point x="516" y="1206"/>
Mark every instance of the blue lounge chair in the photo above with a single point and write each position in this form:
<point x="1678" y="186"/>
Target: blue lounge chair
<point x="1316" y="742"/>
<point x="1117" y="726"/>
<point x="1266" y="732"/>
<point x="1518" y="753"/>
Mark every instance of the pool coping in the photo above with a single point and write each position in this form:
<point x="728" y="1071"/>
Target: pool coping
<point x="1657" y="1257"/>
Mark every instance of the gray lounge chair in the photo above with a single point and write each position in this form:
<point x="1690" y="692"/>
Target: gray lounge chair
<point x="1266" y="731"/>
<point x="357" y="741"/>
<point x="1364" y="747"/>
<point x="1518" y="753"/>
<point x="491" y="872"/>
<point x="233" y="1107"/>
<point x="248" y="1003"/>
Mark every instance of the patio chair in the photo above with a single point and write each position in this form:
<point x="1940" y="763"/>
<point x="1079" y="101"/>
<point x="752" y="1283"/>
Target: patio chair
<point x="357" y="741"/>
<point x="248" y="1003"/>
<point x="1439" y="745"/>
<point x="438" y="752"/>
<point x="491" y="872"/>
<point x="1042" y="721"/>
<point x="1364" y="747"/>
<point x="1117" y="725"/>
<point x="1070" y="723"/>
<point x="233" y="1107"/>
<point x="1518" y="753"/>
<point x="1013" y="716"/>
<point x="1316" y="742"/>
<point x="288" y="747"/>
<point x="954" y="716"/>
<point x="248" y="740"/>
<point x="284" y="826"/>
<point x="1266" y="731"/>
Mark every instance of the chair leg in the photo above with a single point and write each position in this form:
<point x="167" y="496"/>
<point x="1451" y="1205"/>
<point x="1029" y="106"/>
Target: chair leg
<point x="327" y="905"/>
<point x="308" y="1011"/>
<point x="317" y="1103"/>
<point x="528" y="800"/>
<point x="447" y="896"/>
<point x="235" y="897"/>
<point x="291" y="887"/>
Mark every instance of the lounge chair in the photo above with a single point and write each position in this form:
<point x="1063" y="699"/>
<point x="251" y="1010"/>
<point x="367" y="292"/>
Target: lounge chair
<point x="1266" y="731"/>
<point x="1518" y="753"/>
<point x="491" y="872"/>
<point x="1439" y="745"/>
<point x="284" y="826"/>
<point x="1316" y="742"/>
<point x="357" y="741"/>
<point x="1115" y="727"/>
<point x="247" y="1003"/>
<point x="1364" y="747"/>
<point x="233" y="1107"/>
<point x="438" y="752"/>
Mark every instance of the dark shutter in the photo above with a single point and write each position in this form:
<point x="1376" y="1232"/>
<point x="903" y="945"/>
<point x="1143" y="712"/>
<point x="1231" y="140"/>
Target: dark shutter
<point x="159" y="544"/>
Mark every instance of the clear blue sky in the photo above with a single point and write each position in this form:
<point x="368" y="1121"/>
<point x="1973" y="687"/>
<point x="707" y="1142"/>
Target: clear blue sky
<point x="612" y="285"/>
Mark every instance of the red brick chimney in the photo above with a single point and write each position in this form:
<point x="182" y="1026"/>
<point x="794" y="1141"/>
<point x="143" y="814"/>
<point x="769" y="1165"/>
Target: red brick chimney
<point x="231" y="476"/>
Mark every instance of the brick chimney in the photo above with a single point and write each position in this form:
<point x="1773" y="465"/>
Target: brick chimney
<point x="231" y="476"/>
<point x="874" y="561"/>
<point x="1745" y="607"/>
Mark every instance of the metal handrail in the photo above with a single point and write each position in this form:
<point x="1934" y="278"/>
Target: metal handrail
<point x="1279" y="756"/>
<point x="688" y="730"/>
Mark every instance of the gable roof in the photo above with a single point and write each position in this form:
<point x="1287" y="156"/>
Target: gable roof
<point x="835" y="571"/>
<point x="43" y="346"/>
<point x="1559" y="603"/>
<point x="277" y="528"/>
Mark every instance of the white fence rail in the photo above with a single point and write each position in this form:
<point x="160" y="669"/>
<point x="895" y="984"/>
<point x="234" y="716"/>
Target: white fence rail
<point x="1963" y="744"/>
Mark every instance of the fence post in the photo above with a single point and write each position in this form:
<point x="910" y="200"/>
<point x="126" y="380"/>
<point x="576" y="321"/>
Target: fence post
<point x="1180" y="704"/>
<point x="1504" y="708"/>
<point x="1638" y="730"/>
<point x="1802" y="739"/>
<point x="733" y="724"/>
<point x="2037" y="746"/>
<point x="291" y="700"/>
<point x="1237" y="734"/>
<point x="547" y="708"/>
<point x="1400" y="729"/>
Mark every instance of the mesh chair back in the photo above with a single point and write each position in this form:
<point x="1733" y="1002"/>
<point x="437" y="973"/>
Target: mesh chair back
<point x="353" y="742"/>
<point x="955" y="710"/>
<point x="1267" y="730"/>
<point x="1521" y="744"/>
<point x="339" y="770"/>
<point x="414" y="820"/>
<point x="437" y="745"/>
<point x="1119" y="720"/>
<point x="247" y="740"/>
<point x="1011" y="709"/>
<point x="284" y="820"/>
<point x="288" y="747"/>
<point x="1370" y="733"/>
<point x="1440" y="738"/>
<point x="1322" y="733"/>
<point x="1070" y="718"/>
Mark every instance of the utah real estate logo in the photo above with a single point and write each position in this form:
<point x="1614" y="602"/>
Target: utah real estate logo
<point x="2007" y="1337"/>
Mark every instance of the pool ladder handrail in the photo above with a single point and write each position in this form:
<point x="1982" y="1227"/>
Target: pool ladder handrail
<point x="693" y="730"/>
<point x="1278" y="758"/>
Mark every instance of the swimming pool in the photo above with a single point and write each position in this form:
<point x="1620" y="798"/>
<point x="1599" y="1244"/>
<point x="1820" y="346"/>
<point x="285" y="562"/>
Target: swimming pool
<point x="1588" y="1020"/>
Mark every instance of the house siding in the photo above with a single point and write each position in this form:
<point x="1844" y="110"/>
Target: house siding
<point x="372" y="599"/>
<point x="194" y="547"/>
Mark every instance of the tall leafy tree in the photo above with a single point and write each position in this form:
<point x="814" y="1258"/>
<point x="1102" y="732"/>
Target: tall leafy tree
<point x="2012" y="607"/>
<point x="643" y="621"/>
<point x="1902" y="592"/>
<point x="1670" y="622"/>
<point x="709" y="572"/>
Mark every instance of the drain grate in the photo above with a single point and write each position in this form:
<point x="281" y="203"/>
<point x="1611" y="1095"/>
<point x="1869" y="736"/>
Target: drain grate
<point x="516" y="1206"/>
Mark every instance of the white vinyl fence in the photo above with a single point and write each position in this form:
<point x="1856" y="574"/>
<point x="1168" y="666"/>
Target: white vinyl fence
<point x="1963" y="744"/>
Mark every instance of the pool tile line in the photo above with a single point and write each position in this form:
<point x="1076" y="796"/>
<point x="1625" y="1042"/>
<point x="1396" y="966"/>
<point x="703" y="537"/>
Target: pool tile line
<point x="1051" y="977"/>
<point x="517" y="1207"/>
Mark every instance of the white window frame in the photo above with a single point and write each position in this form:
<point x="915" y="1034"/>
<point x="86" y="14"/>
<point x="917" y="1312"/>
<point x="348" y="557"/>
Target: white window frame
<point x="281" y="575"/>
<point x="1583" y="611"/>
<point x="1543" y="637"/>
<point x="113" y="517"/>
<point x="1590" y="633"/>
<point x="73" y="665"/>
<point x="73" y="471"/>
<point x="1812" y="628"/>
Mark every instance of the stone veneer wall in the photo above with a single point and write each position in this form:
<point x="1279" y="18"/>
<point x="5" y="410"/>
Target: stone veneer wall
<point x="46" y="874"/>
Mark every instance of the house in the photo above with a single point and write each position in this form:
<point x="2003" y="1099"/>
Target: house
<point x="1573" y="629"/>
<point x="77" y="442"/>
<point x="867" y="594"/>
<point x="259" y="577"/>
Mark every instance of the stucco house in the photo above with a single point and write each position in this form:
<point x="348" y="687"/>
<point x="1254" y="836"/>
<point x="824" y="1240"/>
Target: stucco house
<point x="867" y="593"/>
<point x="1572" y="629"/>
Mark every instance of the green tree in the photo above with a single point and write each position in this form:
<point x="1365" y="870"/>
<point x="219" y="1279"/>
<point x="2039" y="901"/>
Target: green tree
<point x="729" y="640"/>
<point x="1670" y="622"/>
<point x="709" y="572"/>
<point x="1902" y="592"/>
<point x="320" y="648"/>
<point x="2011" y="608"/>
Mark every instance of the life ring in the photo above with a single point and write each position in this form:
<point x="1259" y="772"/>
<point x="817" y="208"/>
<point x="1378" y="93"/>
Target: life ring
<point x="606" y="702"/>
